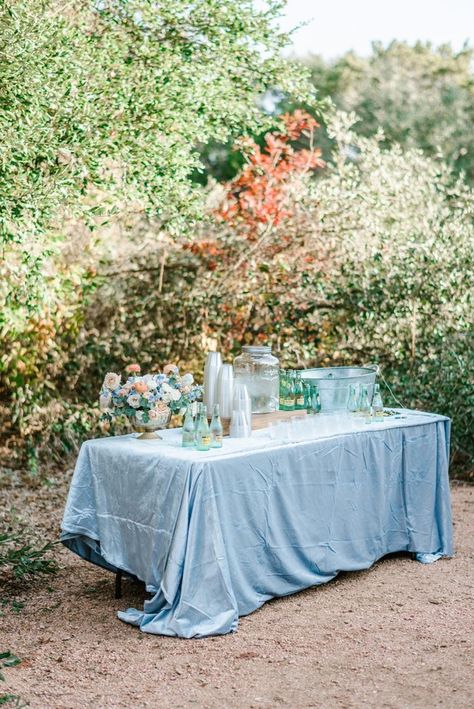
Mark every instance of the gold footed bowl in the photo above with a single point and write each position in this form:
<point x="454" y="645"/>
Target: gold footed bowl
<point x="149" y="430"/>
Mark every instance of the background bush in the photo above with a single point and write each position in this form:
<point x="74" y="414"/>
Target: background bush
<point x="374" y="263"/>
<point x="113" y="251"/>
<point x="102" y="108"/>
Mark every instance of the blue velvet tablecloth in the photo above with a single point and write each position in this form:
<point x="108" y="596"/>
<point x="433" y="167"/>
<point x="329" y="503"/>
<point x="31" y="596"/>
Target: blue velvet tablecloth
<point x="216" y="534"/>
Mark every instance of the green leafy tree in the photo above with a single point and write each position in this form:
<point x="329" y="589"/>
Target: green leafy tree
<point x="421" y="96"/>
<point x="102" y="107"/>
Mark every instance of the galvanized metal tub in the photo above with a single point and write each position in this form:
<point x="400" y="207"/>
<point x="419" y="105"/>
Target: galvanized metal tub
<point x="334" y="383"/>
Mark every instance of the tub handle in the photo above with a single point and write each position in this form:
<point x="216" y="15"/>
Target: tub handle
<point x="376" y="367"/>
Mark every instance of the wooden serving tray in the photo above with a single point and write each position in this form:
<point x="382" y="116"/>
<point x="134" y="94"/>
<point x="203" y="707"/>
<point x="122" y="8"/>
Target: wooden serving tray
<point x="260" y="421"/>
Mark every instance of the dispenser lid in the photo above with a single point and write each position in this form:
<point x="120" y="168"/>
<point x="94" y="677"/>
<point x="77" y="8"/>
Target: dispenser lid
<point x="257" y="349"/>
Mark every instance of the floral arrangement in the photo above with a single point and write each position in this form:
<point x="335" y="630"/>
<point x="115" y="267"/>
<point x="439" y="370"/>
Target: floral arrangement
<point x="147" y="397"/>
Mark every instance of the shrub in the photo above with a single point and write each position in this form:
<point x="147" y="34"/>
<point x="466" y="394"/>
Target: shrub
<point x="371" y="262"/>
<point x="103" y="105"/>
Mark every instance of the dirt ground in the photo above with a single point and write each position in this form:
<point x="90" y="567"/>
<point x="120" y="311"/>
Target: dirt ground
<point x="398" y="635"/>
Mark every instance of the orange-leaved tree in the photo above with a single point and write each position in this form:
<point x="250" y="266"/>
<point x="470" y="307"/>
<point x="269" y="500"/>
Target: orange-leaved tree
<point x="261" y="195"/>
<point x="260" y="254"/>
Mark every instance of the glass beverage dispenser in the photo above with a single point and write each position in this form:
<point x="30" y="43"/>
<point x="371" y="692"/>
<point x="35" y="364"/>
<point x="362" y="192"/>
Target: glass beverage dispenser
<point x="259" y="370"/>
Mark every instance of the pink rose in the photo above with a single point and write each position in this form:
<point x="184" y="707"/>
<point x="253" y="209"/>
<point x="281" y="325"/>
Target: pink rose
<point x="158" y="411"/>
<point x="133" y="368"/>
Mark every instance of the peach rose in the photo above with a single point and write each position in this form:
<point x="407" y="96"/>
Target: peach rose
<point x="158" y="411"/>
<point x="141" y="387"/>
<point x="170" y="369"/>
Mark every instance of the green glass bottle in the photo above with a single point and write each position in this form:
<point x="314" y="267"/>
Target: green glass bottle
<point x="203" y="434"/>
<point x="290" y="392"/>
<point x="283" y="390"/>
<point x="307" y="395"/>
<point x="299" y="392"/>
<point x="315" y="399"/>
<point x="377" y="404"/>
<point x="188" y="437"/>
<point x="216" y="429"/>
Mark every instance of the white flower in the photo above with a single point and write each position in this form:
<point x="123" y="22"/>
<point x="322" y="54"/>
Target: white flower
<point x="147" y="395"/>
<point x="166" y="388"/>
<point x="150" y="381"/>
<point x="134" y="401"/>
<point x="187" y="379"/>
<point x="104" y="401"/>
<point x="175" y="395"/>
<point x="112" y="380"/>
<point x="166" y="397"/>
<point x="139" y="415"/>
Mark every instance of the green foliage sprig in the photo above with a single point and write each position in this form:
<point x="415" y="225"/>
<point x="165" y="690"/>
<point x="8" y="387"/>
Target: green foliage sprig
<point x="24" y="561"/>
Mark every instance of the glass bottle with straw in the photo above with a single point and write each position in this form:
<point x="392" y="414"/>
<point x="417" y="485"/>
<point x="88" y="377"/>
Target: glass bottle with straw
<point x="352" y="404"/>
<point x="216" y="429"/>
<point x="203" y="434"/>
<point x="197" y="420"/>
<point x="364" y="406"/>
<point x="377" y="404"/>
<point x="188" y="437"/>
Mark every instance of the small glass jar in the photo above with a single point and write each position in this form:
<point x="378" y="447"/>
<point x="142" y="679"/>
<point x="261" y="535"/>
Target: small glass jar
<point x="259" y="370"/>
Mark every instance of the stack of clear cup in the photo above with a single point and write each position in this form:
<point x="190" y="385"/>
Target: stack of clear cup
<point x="241" y="423"/>
<point x="225" y="390"/>
<point x="211" y="372"/>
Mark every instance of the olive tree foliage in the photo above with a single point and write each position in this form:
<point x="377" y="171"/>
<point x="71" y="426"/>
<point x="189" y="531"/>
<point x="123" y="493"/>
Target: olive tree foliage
<point x="420" y="95"/>
<point x="102" y="105"/>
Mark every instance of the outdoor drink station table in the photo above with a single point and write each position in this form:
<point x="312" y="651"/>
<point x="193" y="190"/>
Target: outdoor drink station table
<point x="215" y="534"/>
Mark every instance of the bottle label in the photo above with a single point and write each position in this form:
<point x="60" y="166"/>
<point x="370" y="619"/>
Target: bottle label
<point x="300" y="401"/>
<point x="205" y="440"/>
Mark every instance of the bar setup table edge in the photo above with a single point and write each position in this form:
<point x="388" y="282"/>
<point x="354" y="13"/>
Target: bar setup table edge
<point x="216" y="534"/>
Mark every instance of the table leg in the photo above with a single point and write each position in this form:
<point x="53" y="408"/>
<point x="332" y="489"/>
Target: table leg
<point x="118" y="584"/>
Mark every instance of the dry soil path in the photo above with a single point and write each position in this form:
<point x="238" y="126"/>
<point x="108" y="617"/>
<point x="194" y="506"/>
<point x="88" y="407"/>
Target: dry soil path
<point x="398" y="635"/>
